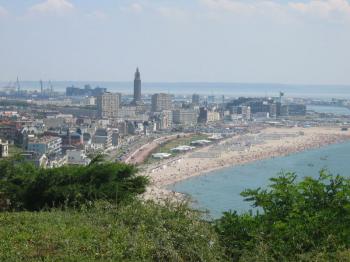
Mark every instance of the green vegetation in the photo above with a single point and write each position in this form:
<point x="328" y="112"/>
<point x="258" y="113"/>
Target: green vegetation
<point x="166" y="147"/>
<point x="17" y="103"/>
<point x="26" y="187"/>
<point x="104" y="232"/>
<point x="300" y="221"/>
<point x="93" y="213"/>
<point x="14" y="150"/>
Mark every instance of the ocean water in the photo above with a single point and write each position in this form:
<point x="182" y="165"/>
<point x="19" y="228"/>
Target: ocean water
<point x="220" y="190"/>
<point x="337" y="110"/>
<point x="231" y="89"/>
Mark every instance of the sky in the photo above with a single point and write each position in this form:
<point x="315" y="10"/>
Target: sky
<point x="252" y="41"/>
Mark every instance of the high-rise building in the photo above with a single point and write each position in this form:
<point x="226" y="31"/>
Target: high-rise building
<point x="246" y="112"/>
<point x="211" y="99"/>
<point x="206" y="116"/>
<point x="108" y="105"/>
<point x="185" y="117"/>
<point x="161" y="102"/>
<point x="195" y="99"/>
<point x="137" y="87"/>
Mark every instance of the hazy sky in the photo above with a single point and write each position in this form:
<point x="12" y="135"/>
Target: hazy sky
<point x="285" y="41"/>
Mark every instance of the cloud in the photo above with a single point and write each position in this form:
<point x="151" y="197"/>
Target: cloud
<point x="53" y="6"/>
<point x="137" y="8"/>
<point x="251" y="9"/>
<point x="323" y="8"/>
<point x="3" y="12"/>
<point x="338" y="9"/>
<point x="133" y="8"/>
<point x="230" y="6"/>
<point x="97" y="14"/>
<point x="173" y="13"/>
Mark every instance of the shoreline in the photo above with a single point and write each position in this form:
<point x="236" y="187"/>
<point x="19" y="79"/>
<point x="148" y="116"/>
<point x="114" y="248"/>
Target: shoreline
<point x="256" y="160"/>
<point x="235" y="151"/>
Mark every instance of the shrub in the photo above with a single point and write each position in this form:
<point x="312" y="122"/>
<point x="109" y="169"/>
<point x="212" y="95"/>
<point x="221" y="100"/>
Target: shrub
<point x="298" y="218"/>
<point x="134" y="231"/>
<point x="30" y="188"/>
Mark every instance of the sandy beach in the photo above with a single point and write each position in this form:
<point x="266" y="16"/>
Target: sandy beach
<point x="242" y="149"/>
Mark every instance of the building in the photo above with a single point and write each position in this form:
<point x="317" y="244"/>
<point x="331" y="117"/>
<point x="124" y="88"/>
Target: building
<point x="123" y="128"/>
<point x="72" y="138"/>
<point x="273" y="110"/>
<point x="115" y="137"/>
<point x="37" y="159"/>
<point x="108" y="105"/>
<point x="161" y="102"/>
<point x="89" y="101"/>
<point x="57" y="161"/>
<point x="211" y="99"/>
<point x="86" y="91"/>
<point x="137" y="87"/>
<point x="206" y="116"/>
<point x="4" y="148"/>
<point x="195" y="99"/>
<point x="259" y="106"/>
<point x="246" y="112"/>
<point x="185" y="117"/>
<point x="77" y="157"/>
<point x="164" y="119"/>
<point x="47" y="145"/>
<point x="9" y="130"/>
<point x="54" y="122"/>
<point x="293" y="110"/>
<point x="127" y="112"/>
<point x="102" y="138"/>
<point x="297" y="110"/>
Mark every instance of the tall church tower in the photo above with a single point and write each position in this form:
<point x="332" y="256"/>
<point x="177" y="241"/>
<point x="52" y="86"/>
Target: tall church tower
<point x="137" y="87"/>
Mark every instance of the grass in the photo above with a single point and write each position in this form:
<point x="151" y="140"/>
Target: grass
<point x="166" y="147"/>
<point x="133" y="232"/>
<point x="14" y="150"/>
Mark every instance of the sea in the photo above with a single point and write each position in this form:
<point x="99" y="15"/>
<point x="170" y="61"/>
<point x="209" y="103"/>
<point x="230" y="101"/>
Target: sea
<point x="219" y="191"/>
<point x="337" y="110"/>
<point x="230" y="89"/>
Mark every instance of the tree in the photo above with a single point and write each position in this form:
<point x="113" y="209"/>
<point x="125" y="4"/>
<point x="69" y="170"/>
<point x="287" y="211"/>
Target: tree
<point x="30" y="188"/>
<point x="295" y="218"/>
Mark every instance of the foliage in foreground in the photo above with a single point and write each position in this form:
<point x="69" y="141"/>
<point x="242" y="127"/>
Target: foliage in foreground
<point x="26" y="187"/>
<point x="132" y="232"/>
<point x="307" y="220"/>
<point x="300" y="221"/>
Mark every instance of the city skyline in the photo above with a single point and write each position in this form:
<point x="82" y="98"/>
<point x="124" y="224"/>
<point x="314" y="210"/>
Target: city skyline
<point x="291" y="42"/>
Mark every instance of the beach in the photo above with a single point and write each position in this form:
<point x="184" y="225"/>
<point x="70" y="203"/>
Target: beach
<point x="237" y="150"/>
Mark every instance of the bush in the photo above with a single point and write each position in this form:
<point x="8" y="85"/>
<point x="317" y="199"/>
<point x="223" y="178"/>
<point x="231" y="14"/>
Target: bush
<point x="128" y="232"/>
<point x="297" y="219"/>
<point x="30" y="188"/>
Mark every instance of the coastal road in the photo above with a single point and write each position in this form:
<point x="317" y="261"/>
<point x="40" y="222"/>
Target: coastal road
<point x="141" y="154"/>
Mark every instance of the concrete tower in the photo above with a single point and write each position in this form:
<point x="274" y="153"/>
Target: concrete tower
<point x="137" y="87"/>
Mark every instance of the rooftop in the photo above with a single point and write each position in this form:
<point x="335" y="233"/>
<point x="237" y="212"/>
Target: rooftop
<point x="44" y="139"/>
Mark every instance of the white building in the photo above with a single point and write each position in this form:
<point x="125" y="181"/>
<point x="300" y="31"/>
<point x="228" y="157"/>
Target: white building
<point x="108" y="105"/>
<point x="4" y="148"/>
<point x="102" y="138"/>
<point x="77" y="157"/>
<point x="47" y="145"/>
<point x="161" y="155"/>
<point x="183" y="148"/>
